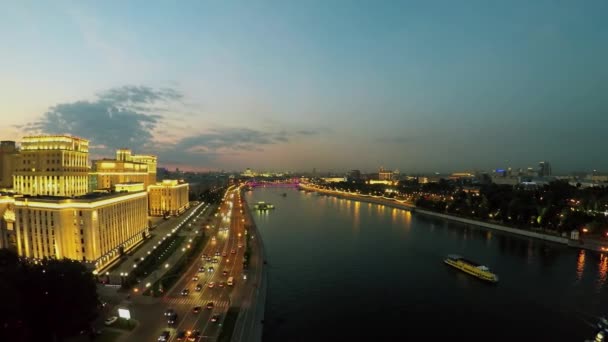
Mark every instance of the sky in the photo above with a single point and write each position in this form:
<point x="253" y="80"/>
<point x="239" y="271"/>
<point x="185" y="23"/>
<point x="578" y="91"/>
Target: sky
<point x="418" y="86"/>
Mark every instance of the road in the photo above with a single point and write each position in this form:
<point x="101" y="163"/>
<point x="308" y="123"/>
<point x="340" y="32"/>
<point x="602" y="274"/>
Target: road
<point x="149" y="311"/>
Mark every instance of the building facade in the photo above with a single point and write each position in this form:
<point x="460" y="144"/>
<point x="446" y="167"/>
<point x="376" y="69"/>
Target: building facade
<point x="8" y="156"/>
<point x="150" y="160"/>
<point x="107" y="173"/>
<point x="52" y="165"/>
<point x="94" y="229"/>
<point x="168" y="198"/>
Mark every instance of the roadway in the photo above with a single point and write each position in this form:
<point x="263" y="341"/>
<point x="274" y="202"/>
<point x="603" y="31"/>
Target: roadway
<point x="150" y="311"/>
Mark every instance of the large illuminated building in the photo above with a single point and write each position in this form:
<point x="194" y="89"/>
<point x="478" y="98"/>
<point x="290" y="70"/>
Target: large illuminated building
<point x="52" y="165"/>
<point x="53" y="214"/>
<point x="95" y="228"/>
<point x="150" y="160"/>
<point x="107" y="173"/>
<point x="8" y="156"/>
<point x="168" y="198"/>
<point x="126" y="168"/>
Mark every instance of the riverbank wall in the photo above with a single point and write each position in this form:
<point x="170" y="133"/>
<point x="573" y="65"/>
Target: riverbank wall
<point x="411" y="207"/>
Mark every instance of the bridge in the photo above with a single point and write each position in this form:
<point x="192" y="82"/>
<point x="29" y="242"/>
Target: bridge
<point x="283" y="183"/>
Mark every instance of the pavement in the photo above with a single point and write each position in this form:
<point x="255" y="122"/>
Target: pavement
<point x="149" y="311"/>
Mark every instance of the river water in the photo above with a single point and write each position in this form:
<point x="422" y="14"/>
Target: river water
<point x="342" y="270"/>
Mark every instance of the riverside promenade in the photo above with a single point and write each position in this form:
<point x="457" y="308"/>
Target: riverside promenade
<point x="411" y="207"/>
<point x="250" y="320"/>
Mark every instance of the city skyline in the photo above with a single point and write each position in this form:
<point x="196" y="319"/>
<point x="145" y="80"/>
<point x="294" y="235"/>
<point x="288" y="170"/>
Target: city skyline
<point x="298" y="86"/>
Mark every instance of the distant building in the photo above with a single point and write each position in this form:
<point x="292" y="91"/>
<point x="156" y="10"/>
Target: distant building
<point x="334" y="179"/>
<point x="354" y="175"/>
<point x="8" y="157"/>
<point x="248" y="173"/>
<point x="168" y="198"/>
<point x="385" y="174"/>
<point x="378" y="181"/>
<point x="544" y="169"/>
<point x="52" y="165"/>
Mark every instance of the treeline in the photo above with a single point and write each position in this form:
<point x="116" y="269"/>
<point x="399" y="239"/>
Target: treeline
<point x="48" y="301"/>
<point x="557" y="206"/>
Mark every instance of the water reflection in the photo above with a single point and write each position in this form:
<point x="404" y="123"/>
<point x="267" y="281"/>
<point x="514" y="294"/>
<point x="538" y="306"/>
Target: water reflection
<point x="602" y="269"/>
<point x="356" y="218"/>
<point x="580" y="264"/>
<point x="394" y="216"/>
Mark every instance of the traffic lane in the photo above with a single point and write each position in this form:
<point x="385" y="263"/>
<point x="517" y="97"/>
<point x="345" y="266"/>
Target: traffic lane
<point x="201" y="298"/>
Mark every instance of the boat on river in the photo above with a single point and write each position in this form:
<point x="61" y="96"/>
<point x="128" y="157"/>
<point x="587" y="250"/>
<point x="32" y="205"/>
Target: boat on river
<point x="471" y="267"/>
<point x="263" y="206"/>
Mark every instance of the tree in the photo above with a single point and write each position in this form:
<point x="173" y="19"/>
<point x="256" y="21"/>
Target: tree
<point x="48" y="301"/>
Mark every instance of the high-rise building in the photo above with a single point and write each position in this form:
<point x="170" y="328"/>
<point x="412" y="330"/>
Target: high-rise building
<point x="168" y="198"/>
<point x="544" y="169"/>
<point x="52" y="165"/>
<point x="8" y="156"/>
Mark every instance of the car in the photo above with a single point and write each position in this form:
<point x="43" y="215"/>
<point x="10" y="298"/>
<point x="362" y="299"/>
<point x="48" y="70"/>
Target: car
<point x="169" y="312"/>
<point x="195" y="278"/>
<point x="185" y="292"/>
<point x="196" y="309"/>
<point x="225" y="273"/>
<point x="210" y="269"/>
<point x="164" y="336"/>
<point x="181" y="336"/>
<point x="172" y="319"/>
<point x="110" y="320"/>
<point x="213" y="238"/>
<point x="194" y="335"/>
<point x="201" y="269"/>
<point x="211" y="285"/>
<point x="198" y="287"/>
<point x="204" y="256"/>
<point x="210" y="305"/>
<point x="222" y="284"/>
<point x="224" y="254"/>
<point x="215" y="318"/>
<point x="217" y="253"/>
<point x="209" y="259"/>
<point x="215" y="261"/>
<point x="240" y="245"/>
<point x="233" y="251"/>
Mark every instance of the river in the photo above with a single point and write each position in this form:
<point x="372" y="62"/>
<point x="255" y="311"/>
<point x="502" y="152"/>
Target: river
<point x="342" y="270"/>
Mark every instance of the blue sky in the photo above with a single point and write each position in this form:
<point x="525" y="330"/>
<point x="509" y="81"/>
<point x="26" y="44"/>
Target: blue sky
<point x="419" y="86"/>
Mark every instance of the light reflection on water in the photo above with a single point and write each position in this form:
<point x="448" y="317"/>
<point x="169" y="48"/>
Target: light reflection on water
<point x="580" y="265"/>
<point x="602" y="270"/>
<point x="304" y="238"/>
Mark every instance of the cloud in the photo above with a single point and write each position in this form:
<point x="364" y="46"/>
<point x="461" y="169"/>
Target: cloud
<point x="136" y="117"/>
<point x="231" y="139"/>
<point x="119" y="117"/>
<point x="395" y="140"/>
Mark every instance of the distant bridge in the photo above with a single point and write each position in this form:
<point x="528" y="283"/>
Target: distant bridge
<point x="285" y="183"/>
